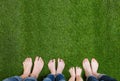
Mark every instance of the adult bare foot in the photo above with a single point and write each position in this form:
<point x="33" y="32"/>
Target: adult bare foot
<point x="38" y="65"/>
<point x="78" y="74"/>
<point x="60" y="66"/>
<point x="27" y="65"/>
<point x="72" y="73"/>
<point x="51" y="66"/>
<point x="94" y="65"/>
<point x="87" y="67"/>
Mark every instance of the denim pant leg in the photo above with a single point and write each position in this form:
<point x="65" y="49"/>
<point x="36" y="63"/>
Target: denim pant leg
<point x="106" y="78"/>
<point x="30" y="79"/>
<point x="92" y="78"/>
<point x="50" y="77"/>
<point x="60" y="77"/>
<point x="14" y="78"/>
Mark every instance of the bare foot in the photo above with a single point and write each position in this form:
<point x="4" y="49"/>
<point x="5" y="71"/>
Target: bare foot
<point x="51" y="66"/>
<point x="38" y="65"/>
<point x="78" y="71"/>
<point x="87" y="68"/>
<point x="60" y="66"/>
<point x="72" y="72"/>
<point x="78" y="74"/>
<point x="27" y="65"/>
<point x="94" y="65"/>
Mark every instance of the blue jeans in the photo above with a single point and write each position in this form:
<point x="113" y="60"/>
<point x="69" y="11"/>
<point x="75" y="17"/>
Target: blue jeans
<point x="102" y="78"/>
<point x="17" y="78"/>
<point x="59" y="77"/>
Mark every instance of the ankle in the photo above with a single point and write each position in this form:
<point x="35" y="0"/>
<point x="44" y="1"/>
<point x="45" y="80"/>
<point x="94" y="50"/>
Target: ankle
<point x="78" y="76"/>
<point x="24" y="76"/>
<point x="53" y="73"/>
<point x="33" y="75"/>
<point x="72" y="77"/>
<point x="89" y="74"/>
<point x="59" y="72"/>
<point x="97" y="75"/>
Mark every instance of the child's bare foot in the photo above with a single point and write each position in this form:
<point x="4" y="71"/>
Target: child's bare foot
<point x="27" y="65"/>
<point x="94" y="65"/>
<point x="78" y="74"/>
<point x="72" y="72"/>
<point x="60" y="66"/>
<point x="78" y="71"/>
<point x="87" y="68"/>
<point x="38" y="65"/>
<point x="51" y="66"/>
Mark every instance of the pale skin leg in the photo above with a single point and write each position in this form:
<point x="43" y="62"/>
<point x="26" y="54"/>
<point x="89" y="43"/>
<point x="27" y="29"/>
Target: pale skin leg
<point x="72" y="73"/>
<point x="61" y="66"/>
<point x="51" y="66"/>
<point x="27" y="65"/>
<point x="78" y="74"/>
<point x="38" y="65"/>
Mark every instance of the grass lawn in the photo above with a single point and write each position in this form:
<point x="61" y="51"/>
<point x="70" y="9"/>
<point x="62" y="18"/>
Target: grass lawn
<point x="69" y="29"/>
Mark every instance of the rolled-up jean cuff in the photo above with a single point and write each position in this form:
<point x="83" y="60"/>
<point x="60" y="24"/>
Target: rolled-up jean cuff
<point x="30" y="79"/>
<point x="100" y="75"/>
<point x="60" y="77"/>
<point x="17" y="78"/>
<point x="91" y="77"/>
<point x="51" y="76"/>
<point x="106" y="78"/>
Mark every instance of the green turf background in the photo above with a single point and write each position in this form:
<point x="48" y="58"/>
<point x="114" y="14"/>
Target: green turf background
<point x="69" y="29"/>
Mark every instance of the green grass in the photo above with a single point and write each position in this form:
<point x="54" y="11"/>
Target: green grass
<point x="69" y="29"/>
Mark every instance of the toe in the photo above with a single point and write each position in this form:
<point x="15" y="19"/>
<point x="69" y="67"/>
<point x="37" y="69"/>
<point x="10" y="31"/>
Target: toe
<point x="93" y="59"/>
<point x="37" y="58"/>
<point x="70" y="69"/>
<point x="73" y="68"/>
<point x="50" y="61"/>
<point x="62" y="60"/>
<point x="41" y="60"/>
<point x="26" y="59"/>
<point x="76" y="68"/>
<point x="86" y="60"/>
<point x="84" y="66"/>
<point x="58" y="59"/>
<point x="23" y="63"/>
<point x="54" y="60"/>
<point x="30" y="59"/>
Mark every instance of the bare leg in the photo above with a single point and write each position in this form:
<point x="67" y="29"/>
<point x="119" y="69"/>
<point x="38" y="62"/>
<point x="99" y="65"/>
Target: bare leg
<point x="38" y="65"/>
<point x="27" y="65"/>
<point x="78" y="74"/>
<point x="87" y="68"/>
<point x="51" y="66"/>
<point x="95" y="65"/>
<point x="60" y="66"/>
<point x="72" y="73"/>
